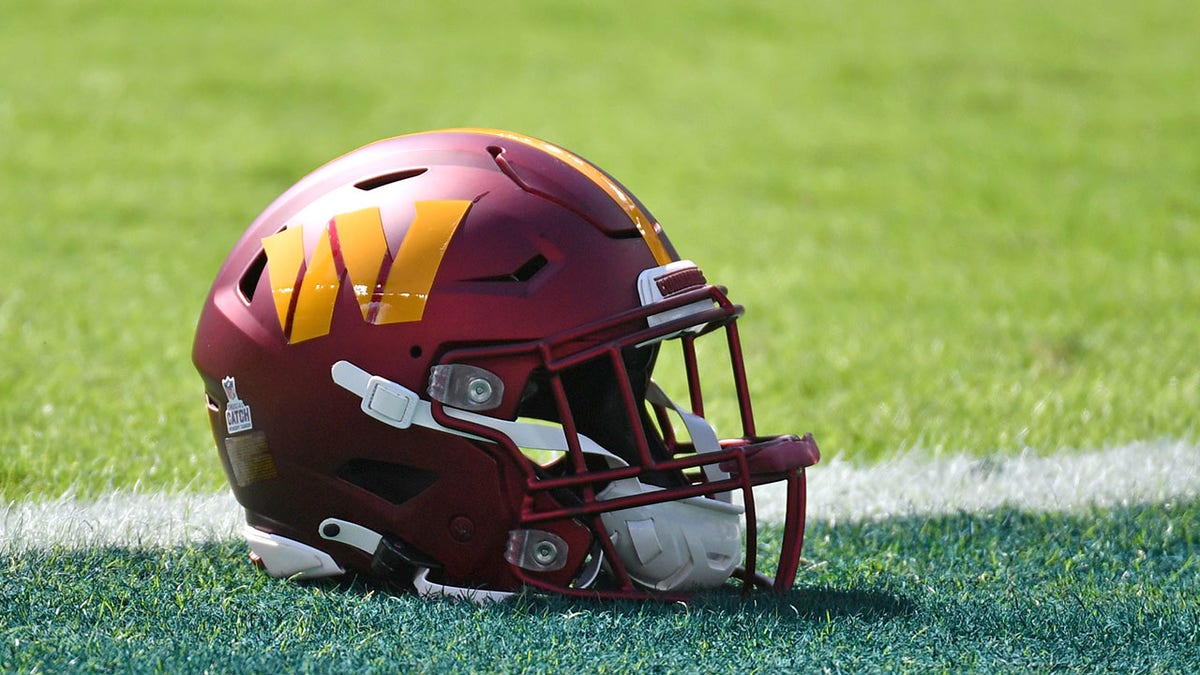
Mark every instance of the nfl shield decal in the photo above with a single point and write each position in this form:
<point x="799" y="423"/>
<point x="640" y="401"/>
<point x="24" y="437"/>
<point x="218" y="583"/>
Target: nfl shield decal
<point x="237" y="413"/>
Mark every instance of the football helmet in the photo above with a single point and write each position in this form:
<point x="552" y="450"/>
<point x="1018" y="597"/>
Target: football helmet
<point x="431" y="361"/>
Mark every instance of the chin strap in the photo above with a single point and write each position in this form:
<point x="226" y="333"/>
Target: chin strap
<point x="704" y="437"/>
<point x="371" y="542"/>
<point x="283" y="557"/>
<point x="400" y="407"/>
<point x="429" y="589"/>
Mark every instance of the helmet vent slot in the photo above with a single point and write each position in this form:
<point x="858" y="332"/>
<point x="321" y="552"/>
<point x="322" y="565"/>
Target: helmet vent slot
<point x="396" y="483"/>
<point x="531" y="267"/>
<point x="525" y="272"/>
<point x="249" y="281"/>
<point x="389" y="178"/>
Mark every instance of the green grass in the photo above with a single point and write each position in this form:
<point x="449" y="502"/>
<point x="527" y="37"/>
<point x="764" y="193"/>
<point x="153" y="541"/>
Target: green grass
<point x="1116" y="592"/>
<point x="956" y="226"/>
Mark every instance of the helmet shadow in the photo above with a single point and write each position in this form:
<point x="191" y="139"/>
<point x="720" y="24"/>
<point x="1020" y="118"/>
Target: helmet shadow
<point x="801" y="604"/>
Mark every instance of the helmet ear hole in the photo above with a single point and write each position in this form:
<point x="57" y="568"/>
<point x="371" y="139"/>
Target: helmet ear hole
<point x="415" y="351"/>
<point x="395" y="483"/>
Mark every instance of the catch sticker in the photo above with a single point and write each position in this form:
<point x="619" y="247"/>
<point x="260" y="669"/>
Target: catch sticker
<point x="237" y="413"/>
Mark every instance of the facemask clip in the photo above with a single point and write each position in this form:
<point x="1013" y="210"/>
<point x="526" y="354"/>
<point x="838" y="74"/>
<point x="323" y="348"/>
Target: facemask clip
<point x="466" y="387"/>
<point x="536" y="550"/>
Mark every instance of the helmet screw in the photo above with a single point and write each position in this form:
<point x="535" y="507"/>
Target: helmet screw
<point x="479" y="390"/>
<point x="462" y="529"/>
<point x="545" y="552"/>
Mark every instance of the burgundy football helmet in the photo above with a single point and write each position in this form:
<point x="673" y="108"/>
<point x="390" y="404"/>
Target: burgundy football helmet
<point x="430" y="361"/>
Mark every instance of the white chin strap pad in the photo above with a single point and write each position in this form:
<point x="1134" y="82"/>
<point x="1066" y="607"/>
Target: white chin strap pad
<point x="675" y="546"/>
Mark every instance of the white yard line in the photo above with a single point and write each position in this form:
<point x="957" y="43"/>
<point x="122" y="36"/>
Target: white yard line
<point x="913" y="484"/>
<point x="918" y="484"/>
<point x="131" y="519"/>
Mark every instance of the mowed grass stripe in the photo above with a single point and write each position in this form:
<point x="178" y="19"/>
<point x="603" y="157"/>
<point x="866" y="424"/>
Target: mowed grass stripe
<point x="908" y="485"/>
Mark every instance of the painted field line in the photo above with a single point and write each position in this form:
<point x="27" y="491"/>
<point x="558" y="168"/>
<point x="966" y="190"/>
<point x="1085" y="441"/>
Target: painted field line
<point x="913" y="484"/>
<point x="917" y="483"/>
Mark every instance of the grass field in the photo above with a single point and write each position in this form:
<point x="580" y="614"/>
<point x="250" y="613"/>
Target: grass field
<point x="957" y="227"/>
<point x="1116" y="592"/>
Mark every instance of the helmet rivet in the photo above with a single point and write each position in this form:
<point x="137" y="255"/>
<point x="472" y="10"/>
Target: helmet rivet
<point x="331" y="530"/>
<point x="479" y="390"/>
<point x="462" y="529"/>
<point x="545" y="552"/>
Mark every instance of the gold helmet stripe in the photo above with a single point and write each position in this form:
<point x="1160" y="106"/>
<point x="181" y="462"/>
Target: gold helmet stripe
<point x="646" y="227"/>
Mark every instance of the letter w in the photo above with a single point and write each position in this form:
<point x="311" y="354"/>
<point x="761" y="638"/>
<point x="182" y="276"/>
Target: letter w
<point x="354" y="246"/>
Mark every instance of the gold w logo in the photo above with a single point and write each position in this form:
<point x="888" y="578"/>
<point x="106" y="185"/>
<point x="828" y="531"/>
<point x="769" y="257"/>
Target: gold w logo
<point x="353" y="245"/>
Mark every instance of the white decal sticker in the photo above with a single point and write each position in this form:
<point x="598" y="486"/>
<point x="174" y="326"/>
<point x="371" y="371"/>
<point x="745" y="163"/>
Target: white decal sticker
<point x="237" y="413"/>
